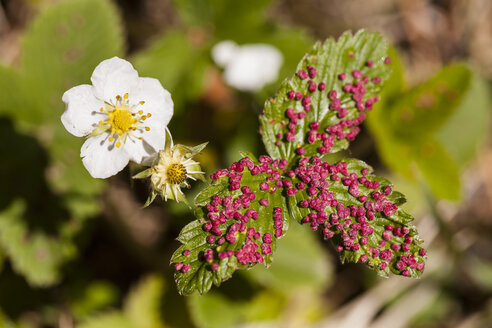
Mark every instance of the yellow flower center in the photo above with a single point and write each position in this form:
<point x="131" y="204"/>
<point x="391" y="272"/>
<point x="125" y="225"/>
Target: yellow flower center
<point x="122" y="120"/>
<point x="176" y="173"/>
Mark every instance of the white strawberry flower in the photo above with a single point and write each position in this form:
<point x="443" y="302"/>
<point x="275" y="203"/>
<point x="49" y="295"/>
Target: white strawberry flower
<point x="123" y="116"/>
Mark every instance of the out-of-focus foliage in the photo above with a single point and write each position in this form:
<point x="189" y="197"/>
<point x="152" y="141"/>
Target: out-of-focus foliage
<point x="42" y="212"/>
<point x="89" y="298"/>
<point x="311" y="270"/>
<point x="34" y="254"/>
<point x="178" y="63"/>
<point x="181" y="60"/>
<point x="141" y="308"/>
<point x="5" y="322"/>
<point x="420" y="132"/>
<point x="215" y="310"/>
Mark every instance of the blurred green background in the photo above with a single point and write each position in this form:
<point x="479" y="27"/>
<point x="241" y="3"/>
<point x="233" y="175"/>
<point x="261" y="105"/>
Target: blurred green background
<point x="80" y="252"/>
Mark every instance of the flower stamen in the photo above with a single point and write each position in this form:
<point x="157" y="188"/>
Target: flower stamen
<point x="176" y="173"/>
<point x="122" y="121"/>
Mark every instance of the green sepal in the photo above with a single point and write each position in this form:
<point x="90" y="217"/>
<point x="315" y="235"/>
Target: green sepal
<point x="143" y="174"/>
<point x="169" y="143"/>
<point x="197" y="149"/>
<point x="151" y="198"/>
<point x="173" y="192"/>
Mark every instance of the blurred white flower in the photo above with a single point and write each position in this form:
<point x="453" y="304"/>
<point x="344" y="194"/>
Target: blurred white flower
<point x="248" y="67"/>
<point x="223" y="52"/>
<point x="124" y="117"/>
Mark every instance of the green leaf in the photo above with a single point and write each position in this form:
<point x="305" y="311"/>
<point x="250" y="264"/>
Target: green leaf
<point x="34" y="254"/>
<point x="267" y="305"/>
<point x="166" y="59"/>
<point x="143" y="303"/>
<point x="229" y="19"/>
<point x="107" y="320"/>
<point x="470" y="119"/>
<point x="418" y="126"/>
<point x="395" y="85"/>
<point x="424" y="109"/>
<point x="360" y="213"/>
<point x="62" y="47"/>
<point x="214" y="310"/>
<point x="194" y="12"/>
<point x="350" y="54"/>
<point x="81" y="206"/>
<point x="38" y="235"/>
<point x="243" y="139"/>
<point x="390" y="94"/>
<point x="13" y="103"/>
<point x="92" y="297"/>
<point x="141" y="308"/>
<point x="442" y="306"/>
<point x="5" y="322"/>
<point x="2" y="259"/>
<point x="481" y="271"/>
<point x="67" y="173"/>
<point x="439" y="170"/>
<point x="246" y="217"/>
<point x="395" y="153"/>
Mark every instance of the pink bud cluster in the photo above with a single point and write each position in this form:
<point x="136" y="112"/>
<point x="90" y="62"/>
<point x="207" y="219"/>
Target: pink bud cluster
<point x="353" y="93"/>
<point x="353" y="221"/>
<point x="229" y="220"/>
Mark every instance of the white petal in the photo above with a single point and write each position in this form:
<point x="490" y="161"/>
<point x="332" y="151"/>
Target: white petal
<point x="82" y="113"/>
<point x="101" y="158"/>
<point x="157" y="100"/>
<point x="152" y="142"/>
<point x="223" y="52"/>
<point x="112" y="77"/>
<point x="156" y="137"/>
<point x="140" y="150"/>
<point x="253" y="66"/>
<point x="137" y="149"/>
